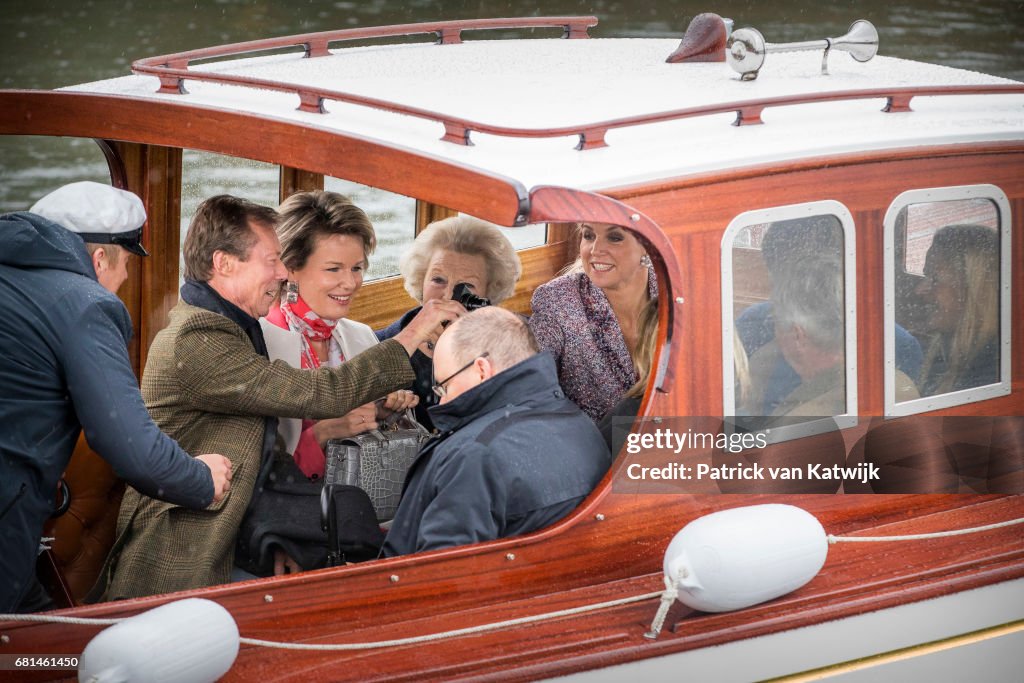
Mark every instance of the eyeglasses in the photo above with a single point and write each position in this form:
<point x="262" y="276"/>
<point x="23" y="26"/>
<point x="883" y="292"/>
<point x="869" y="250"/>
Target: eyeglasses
<point x="441" y="388"/>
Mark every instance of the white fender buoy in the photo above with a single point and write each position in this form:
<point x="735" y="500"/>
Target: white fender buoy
<point x="737" y="558"/>
<point x="188" y="641"/>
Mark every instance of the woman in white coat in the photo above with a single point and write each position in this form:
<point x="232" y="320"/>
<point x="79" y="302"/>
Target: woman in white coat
<point x="325" y="243"/>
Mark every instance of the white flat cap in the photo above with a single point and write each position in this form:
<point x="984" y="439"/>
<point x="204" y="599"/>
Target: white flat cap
<point x="99" y="213"/>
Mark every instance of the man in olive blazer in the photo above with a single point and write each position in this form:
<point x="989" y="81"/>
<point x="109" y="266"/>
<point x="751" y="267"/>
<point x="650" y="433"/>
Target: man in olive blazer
<point x="209" y="384"/>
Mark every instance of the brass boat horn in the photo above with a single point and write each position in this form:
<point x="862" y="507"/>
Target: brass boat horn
<point x="746" y="49"/>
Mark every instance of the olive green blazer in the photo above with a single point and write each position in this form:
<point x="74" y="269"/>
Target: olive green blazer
<point x="206" y="387"/>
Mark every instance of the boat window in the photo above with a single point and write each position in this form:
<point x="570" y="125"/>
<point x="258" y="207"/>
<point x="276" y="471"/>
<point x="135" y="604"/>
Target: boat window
<point x="394" y="222"/>
<point x="205" y="174"/>
<point x="789" y="320"/>
<point x="947" y="298"/>
<point x="34" y="166"/>
<point x="526" y="236"/>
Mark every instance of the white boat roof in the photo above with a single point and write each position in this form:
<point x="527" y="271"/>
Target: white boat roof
<point x="547" y="83"/>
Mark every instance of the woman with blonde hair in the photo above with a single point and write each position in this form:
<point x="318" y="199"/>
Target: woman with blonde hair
<point x="643" y="358"/>
<point x="961" y="287"/>
<point x="589" y="318"/>
<point x="449" y="252"/>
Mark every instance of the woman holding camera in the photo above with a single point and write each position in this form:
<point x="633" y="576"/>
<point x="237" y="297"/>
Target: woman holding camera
<point x="589" y="318"/>
<point x="447" y="253"/>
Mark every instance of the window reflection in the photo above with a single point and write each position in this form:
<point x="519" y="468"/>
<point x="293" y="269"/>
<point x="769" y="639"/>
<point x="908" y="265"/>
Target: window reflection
<point x="947" y="291"/>
<point x="394" y="222"/>
<point x="205" y="174"/>
<point x="788" y="309"/>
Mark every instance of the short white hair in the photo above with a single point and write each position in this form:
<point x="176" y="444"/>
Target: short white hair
<point x="503" y="335"/>
<point x="810" y="294"/>
<point x="463" y="235"/>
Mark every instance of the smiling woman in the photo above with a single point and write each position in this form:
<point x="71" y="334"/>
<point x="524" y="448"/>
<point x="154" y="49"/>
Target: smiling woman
<point x="449" y="252"/>
<point x="587" y="318"/>
<point x="326" y="241"/>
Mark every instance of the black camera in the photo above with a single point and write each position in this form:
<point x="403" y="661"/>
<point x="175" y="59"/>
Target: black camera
<point x="467" y="298"/>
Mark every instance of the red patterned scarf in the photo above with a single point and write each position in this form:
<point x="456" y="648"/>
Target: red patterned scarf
<point x="303" y="320"/>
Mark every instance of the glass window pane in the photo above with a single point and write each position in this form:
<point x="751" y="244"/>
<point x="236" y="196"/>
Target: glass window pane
<point x="394" y="222"/>
<point x="947" y="296"/>
<point x="204" y="175"/>
<point x="789" y="321"/>
<point x="526" y="236"/>
<point x="924" y="219"/>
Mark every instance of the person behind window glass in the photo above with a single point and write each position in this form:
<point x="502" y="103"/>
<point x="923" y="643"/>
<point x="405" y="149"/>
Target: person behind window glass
<point x="810" y="335"/>
<point x="588" y="318"/>
<point x="449" y="252"/>
<point x="786" y="244"/>
<point x="741" y="367"/>
<point x="961" y="290"/>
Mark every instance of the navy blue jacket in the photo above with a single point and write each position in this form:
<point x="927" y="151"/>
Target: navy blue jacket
<point x="64" y="367"/>
<point x="514" y="455"/>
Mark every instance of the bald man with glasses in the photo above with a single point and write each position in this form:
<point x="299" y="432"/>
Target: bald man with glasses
<point x="513" y="455"/>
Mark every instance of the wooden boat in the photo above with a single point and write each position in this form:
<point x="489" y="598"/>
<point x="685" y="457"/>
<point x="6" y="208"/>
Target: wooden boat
<point x="525" y="131"/>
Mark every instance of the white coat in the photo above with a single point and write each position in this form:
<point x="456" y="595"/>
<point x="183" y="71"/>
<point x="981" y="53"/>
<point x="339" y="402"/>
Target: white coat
<point x="352" y="336"/>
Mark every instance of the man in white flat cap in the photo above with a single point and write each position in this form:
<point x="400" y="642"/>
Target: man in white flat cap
<point x="65" y="369"/>
<point x="107" y="219"/>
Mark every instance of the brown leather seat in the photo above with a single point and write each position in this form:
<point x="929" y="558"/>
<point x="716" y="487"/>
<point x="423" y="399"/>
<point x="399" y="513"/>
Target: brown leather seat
<point x="84" y="534"/>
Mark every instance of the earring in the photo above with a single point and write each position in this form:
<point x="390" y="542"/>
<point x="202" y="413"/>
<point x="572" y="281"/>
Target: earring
<point x="645" y="261"/>
<point x="293" y="292"/>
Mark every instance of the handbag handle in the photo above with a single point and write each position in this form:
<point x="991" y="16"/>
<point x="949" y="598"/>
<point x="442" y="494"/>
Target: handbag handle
<point x="392" y="422"/>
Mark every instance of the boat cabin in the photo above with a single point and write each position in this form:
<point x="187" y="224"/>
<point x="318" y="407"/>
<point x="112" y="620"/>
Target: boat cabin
<point x="850" y="178"/>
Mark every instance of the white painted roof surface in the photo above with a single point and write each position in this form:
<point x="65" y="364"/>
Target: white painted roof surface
<point x="545" y="83"/>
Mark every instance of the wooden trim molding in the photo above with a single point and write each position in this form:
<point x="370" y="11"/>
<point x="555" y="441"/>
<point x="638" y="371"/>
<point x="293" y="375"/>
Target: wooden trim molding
<point x="294" y="180"/>
<point x="489" y="196"/>
<point x="154" y="173"/>
<point x="427" y="213"/>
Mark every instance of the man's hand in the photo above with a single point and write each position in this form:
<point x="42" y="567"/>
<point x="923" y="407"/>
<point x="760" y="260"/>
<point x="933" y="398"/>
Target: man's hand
<point x="356" y="421"/>
<point x="220" y="470"/>
<point x="397" y="402"/>
<point x="284" y="564"/>
<point x="429" y="323"/>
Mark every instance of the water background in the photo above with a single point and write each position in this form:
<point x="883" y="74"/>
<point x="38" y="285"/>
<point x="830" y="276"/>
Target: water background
<point x="52" y="43"/>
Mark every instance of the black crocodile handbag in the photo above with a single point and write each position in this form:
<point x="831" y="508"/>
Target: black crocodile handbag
<point x="377" y="461"/>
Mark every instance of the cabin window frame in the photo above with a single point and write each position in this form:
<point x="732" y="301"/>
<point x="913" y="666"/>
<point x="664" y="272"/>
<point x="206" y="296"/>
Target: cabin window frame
<point x="780" y="213"/>
<point x="962" y="396"/>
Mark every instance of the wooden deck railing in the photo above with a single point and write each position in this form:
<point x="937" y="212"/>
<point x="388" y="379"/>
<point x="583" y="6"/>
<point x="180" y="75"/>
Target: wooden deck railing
<point x="172" y="70"/>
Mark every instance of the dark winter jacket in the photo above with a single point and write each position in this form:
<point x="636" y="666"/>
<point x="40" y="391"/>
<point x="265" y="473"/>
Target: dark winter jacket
<point x="64" y="367"/>
<point x="514" y="455"/>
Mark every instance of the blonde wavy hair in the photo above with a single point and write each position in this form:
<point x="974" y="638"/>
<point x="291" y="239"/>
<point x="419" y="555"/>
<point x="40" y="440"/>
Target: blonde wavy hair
<point x="643" y="355"/>
<point x="973" y="252"/>
<point x="463" y="235"/>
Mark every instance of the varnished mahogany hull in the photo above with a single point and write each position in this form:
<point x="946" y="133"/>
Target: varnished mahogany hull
<point x="575" y="563"/>
<point x="612" y="545"/>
